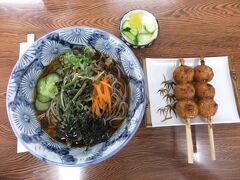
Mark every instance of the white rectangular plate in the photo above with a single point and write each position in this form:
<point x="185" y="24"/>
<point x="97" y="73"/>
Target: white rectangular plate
<point x="227" y="108"/>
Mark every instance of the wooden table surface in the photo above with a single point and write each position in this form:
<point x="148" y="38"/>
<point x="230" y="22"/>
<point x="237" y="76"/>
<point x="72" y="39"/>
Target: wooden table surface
<point x="189" y="28"/>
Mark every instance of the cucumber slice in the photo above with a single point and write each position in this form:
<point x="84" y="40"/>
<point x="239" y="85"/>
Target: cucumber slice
<point x="41" y="83"/>
<point x="150" y="27"/>
<point x="43" y="98"/>
<point x="40" y="106"/>
<point x="145" y="38"/>
<point x="134" y="31"/>
<point x="53" y="77"/>
<point x="126" y="25"/>
<point x="133" y="39"/>
<point x="127" y="28"/>
<point x="46" y="86"/>
<point x="144" y="30"/>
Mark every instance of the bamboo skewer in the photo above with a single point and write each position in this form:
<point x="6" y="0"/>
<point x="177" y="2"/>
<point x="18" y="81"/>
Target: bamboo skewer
<point x="189" y="141"/>
<point x="211" y="139"/>
<point x="181" y="61"/>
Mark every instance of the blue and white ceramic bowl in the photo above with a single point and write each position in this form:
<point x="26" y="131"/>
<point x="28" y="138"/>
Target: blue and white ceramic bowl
<point x="23" y="80"/>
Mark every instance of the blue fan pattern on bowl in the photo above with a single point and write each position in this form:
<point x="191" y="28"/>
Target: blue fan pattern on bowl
<point x="23" y="80"/>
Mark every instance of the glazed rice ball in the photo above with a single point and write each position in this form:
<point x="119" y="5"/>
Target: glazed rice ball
<point x="187" y="109"/>
<point x="183" y="74"/>
<point x="184" y="91"/>
<point x="207" y="107"/>
<point x="203" y="73"/>
<point x="204" y="90"/>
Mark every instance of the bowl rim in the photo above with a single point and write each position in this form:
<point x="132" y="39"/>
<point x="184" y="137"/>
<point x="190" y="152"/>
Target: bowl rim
<point x="102" y="158"/>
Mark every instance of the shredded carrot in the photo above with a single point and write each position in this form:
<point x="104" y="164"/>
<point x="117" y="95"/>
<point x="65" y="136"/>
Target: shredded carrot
<point x="102" y="96"/>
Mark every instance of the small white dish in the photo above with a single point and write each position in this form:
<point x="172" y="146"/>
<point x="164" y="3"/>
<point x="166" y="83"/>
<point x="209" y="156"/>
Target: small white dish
<point x="148" y="19"/>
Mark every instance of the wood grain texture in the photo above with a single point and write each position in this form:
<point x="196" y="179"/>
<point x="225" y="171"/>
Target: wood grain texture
<point x="188" y="28"/>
